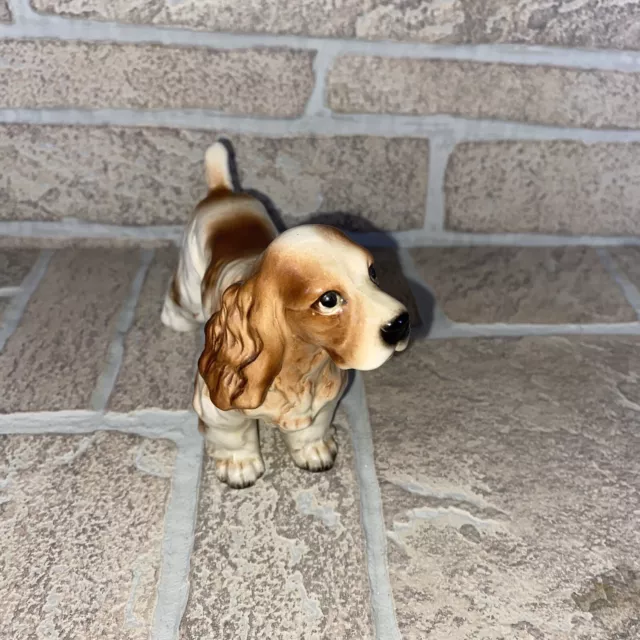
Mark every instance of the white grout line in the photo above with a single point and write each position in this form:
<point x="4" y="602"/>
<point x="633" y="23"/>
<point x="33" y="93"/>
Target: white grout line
<point x="29" y="24"/>
<point x="16" y="308"/>
<point x="440" y="149"/>
<point x="323" y="124"/>
<point x="69" y="228"/>
<point x="500" y="330"/>
<point x="416" y="238"/>
<point x="355" y="406"/>
<point x="107" y="379"/>
<point x="179" y="537"/>
<point x="149" y="423"/>
<point x="316" y="103"/>
<point x="8" y="292"/>
<point x="17" y="8"/>
<point x="413" y="238"/>
<point x="629" y="290"/>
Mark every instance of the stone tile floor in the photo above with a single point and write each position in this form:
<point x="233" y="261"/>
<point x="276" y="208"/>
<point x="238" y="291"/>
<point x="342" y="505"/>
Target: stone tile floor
<point x="488" y="485"/>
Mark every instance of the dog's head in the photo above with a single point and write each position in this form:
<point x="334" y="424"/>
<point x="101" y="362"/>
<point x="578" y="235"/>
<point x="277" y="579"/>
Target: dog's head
<point x="313" y="288"/>
<point x="330" y="298"/>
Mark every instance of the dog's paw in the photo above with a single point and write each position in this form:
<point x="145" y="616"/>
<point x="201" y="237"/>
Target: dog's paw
<point x="316" y="456"/>
<point x="239" y="473"/>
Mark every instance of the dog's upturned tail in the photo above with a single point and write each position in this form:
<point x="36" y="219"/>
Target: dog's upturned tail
<point x="218" y="163"/>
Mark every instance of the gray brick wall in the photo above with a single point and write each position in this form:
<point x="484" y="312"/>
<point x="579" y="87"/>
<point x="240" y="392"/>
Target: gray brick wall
<point x="423" y="119"/>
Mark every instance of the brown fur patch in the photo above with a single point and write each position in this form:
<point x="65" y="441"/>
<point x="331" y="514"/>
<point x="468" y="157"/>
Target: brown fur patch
<point x="216" y="195"/>
<point x="241" y="236"/>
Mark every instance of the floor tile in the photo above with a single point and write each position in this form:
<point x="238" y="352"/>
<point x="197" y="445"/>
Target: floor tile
<point x="81" y="524"/>
<point x="522" y="284"/>
<point x="510" y="476"/>
<point x="55" y="356"/>
<point x="158" y="367"/>
<point x="15" y="265"/>
<point x="282" y="560"/>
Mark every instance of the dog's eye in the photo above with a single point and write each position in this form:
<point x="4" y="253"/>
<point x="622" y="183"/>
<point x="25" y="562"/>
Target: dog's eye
<point x="329" y="302"/>
<point x="329" y="299"/>
<point x="372" y="273"/>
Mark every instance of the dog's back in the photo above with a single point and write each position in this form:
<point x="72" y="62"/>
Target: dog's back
<point x="227" y="232"/>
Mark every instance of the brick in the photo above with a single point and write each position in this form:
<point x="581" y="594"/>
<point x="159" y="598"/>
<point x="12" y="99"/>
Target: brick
<point x="54" y="358"/>
<point x="381" y="180"/>
<point x="82" y="531"/>
<point x="264" y="82"/>
<point x="304" y="17"/>
<point x="5" y="12"/>
<point x="586" y="24"/>
<point x="508" y="473"/>
<point x="558" y="186"/>
<point x="50" y="172"/>
<point x="589" y="24"/>
<point x="525" y="93"/>
<point x="522" y="284"/>
<point x="158" y="365"/>
<point x="283" y="560"/>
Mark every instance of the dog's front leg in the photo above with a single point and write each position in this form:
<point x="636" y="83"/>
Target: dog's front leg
<point x="235" y="448"/>
<point x="314" y="448"/>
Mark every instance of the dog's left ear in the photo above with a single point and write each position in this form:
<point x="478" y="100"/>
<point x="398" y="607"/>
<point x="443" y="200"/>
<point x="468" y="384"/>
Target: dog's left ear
<point x="243" y="350"/>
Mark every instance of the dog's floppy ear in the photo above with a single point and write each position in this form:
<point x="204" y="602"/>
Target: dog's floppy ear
<point x="243" y="350"/>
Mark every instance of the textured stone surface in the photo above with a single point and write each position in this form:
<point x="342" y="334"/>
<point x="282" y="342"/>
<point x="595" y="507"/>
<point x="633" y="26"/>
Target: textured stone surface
<point x="5" y="12"/>
<point x="53" y="360"/>
<point x="15" y="265"/>
<point x="556" y="186"/>
<point x="85" y="172"/>
<point x="266" y="82"/>
<point x="281" y="16"/>
<point x="628" y="260"/>
<point x="509" y="473"/>
<point x="81" y="522"/>
<point x="537" y="94"/>
<point x="526" y="284"/>
<point x="158" y="366"/>
<point x="384" y="180"/>
<point x="593" y="23"/>
<point x="282" y="560"/>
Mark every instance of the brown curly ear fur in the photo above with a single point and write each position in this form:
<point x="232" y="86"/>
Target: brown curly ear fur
<point x="242" y="353"/>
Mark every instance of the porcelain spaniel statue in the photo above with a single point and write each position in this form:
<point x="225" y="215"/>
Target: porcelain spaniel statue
<point x="286" y="315"/>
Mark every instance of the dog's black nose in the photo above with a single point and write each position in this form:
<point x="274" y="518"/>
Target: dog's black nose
<point x="396" y="330"/>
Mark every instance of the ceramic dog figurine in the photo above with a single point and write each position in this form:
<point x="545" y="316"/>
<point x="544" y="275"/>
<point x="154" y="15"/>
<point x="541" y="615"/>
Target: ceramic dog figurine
<point x="286" y="315"/>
